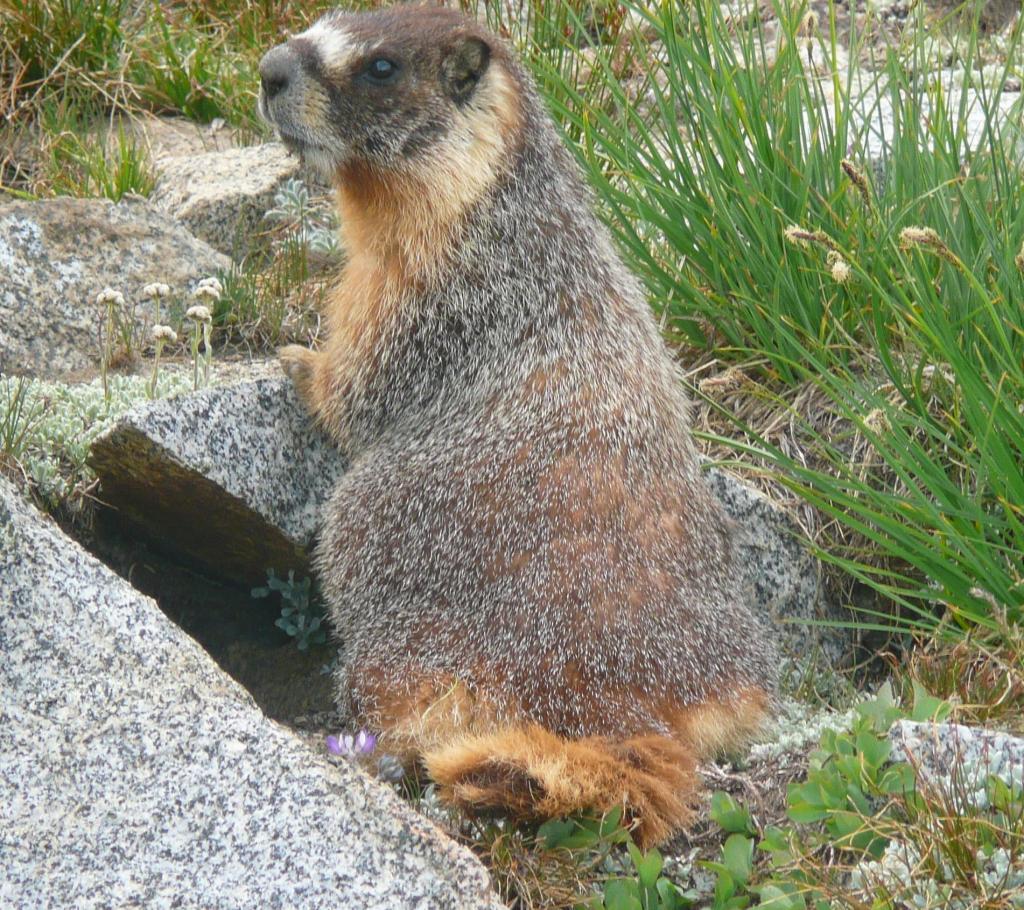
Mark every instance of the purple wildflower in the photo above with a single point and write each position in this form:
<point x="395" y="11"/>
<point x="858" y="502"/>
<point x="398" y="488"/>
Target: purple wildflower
<point x="349" y="746"/>
<point x="365" y="743"/>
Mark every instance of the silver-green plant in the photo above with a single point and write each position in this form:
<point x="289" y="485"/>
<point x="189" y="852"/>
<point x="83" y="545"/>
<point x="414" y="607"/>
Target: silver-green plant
<point x="314" y="227"/>
<point x="47" y="428"/>
<point x="301" y="616"/>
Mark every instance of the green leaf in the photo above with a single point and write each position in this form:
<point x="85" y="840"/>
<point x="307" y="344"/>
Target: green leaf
<point x="927" y="707"/>
<point x="738" y="856"/>
<point x="898" y="778"/>
<point x="621" y="894"/>
<point x="773" y="897"/>
<point x="611" y="823"/>
<point x="775" y="840"/>
<point x="725" y="884"/>
<point x="730" y="815"/>
<point x="582" y="838"/>
<point x="882" y="711"/>
<point x="834" y="787"/>
<point x="828" y="740"/>
<point x="874" y="749"/>
<point x="844" y="825"/>
<point x="672" y="898"/>
<point x="806" y="803"/>
<point x="649" y="868"/>
<point x="555" y="832"/>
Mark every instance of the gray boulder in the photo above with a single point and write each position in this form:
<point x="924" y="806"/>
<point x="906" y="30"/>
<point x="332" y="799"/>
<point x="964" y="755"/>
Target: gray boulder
<point x="231" y="477"/>
<point x="166" y="137"/>
<point x="235" y="478"/>
<point x="222" y="196"/>
<point x="56" y="255"/>
<point x="781" y="579"/>
<point x="134" y="773"/>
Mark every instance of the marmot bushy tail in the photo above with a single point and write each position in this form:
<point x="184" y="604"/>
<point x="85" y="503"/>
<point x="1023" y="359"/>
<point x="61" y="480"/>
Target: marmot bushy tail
<point x="529" y="772"/>
<point x="533" y="586"/>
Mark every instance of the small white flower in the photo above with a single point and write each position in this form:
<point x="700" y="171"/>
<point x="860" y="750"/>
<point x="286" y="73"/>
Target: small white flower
<point x="208" y="288"/>
<point x="164" y="333"/>
<point x="155" y="291"/>
<point x="198" y="313"/>
<point x="109" y="295"/>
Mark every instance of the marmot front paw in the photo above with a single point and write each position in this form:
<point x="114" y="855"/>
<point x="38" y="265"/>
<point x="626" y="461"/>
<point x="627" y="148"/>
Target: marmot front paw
<point x="299" y="365"/>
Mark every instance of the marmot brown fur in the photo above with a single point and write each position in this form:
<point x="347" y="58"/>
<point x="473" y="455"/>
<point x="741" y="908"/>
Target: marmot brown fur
<point x="533" y="585"/>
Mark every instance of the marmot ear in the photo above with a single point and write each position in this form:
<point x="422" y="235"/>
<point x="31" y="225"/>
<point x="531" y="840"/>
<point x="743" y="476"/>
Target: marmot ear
<point x="463" y="66"/>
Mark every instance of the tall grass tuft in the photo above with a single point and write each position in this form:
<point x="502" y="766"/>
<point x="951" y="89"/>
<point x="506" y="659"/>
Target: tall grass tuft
<point x="63" y="45"/>
<point x="855" y="229"/>
<point x="78" y="157"/>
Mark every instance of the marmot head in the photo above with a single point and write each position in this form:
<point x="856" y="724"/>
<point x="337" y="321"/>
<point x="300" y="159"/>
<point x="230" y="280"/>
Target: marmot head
<point x="395" y="90"/>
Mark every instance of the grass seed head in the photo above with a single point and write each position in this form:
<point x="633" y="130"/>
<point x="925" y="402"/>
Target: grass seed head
<point x="928" y="239"/>
<point x="802" y="237"/>
<point x="877" y="422"/>
<point x="840" y="268"/>
<point x="858" y="178"/>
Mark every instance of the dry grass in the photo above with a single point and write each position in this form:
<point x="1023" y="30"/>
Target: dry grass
<point x="981" y="676"/>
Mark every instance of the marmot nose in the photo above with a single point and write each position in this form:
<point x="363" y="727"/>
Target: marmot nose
<point x="277" y="69"/>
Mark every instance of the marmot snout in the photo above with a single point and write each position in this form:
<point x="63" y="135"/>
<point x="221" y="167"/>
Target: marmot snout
<point x="533" y="586"/>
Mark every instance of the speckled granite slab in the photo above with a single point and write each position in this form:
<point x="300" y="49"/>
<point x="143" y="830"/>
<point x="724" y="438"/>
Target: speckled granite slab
<point x="222" y="195"/>
<point x="781" y="579"/>
<point x="134" y="773"/>
<point x="231" y="476"/>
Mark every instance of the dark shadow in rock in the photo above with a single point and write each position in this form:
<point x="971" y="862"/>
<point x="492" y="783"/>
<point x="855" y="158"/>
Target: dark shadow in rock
<point x="237" y="630"/>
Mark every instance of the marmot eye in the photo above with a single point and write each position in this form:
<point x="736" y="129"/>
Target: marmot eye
<point x="381" y="69"/>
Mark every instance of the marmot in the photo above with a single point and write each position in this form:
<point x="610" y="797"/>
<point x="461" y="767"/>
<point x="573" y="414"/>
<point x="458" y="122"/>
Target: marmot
<point x="533" y="586"/>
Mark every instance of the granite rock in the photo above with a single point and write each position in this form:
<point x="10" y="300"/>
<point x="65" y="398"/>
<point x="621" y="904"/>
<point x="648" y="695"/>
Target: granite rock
<point x="222" y="196"/>
<point x="235" y="478"/>
<point x="56" y="255"/>
<point x="231" y="477"/>
<point x="134" y="773"/>
<point x="166" y="137"/>
<point x="781" y="579"/>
